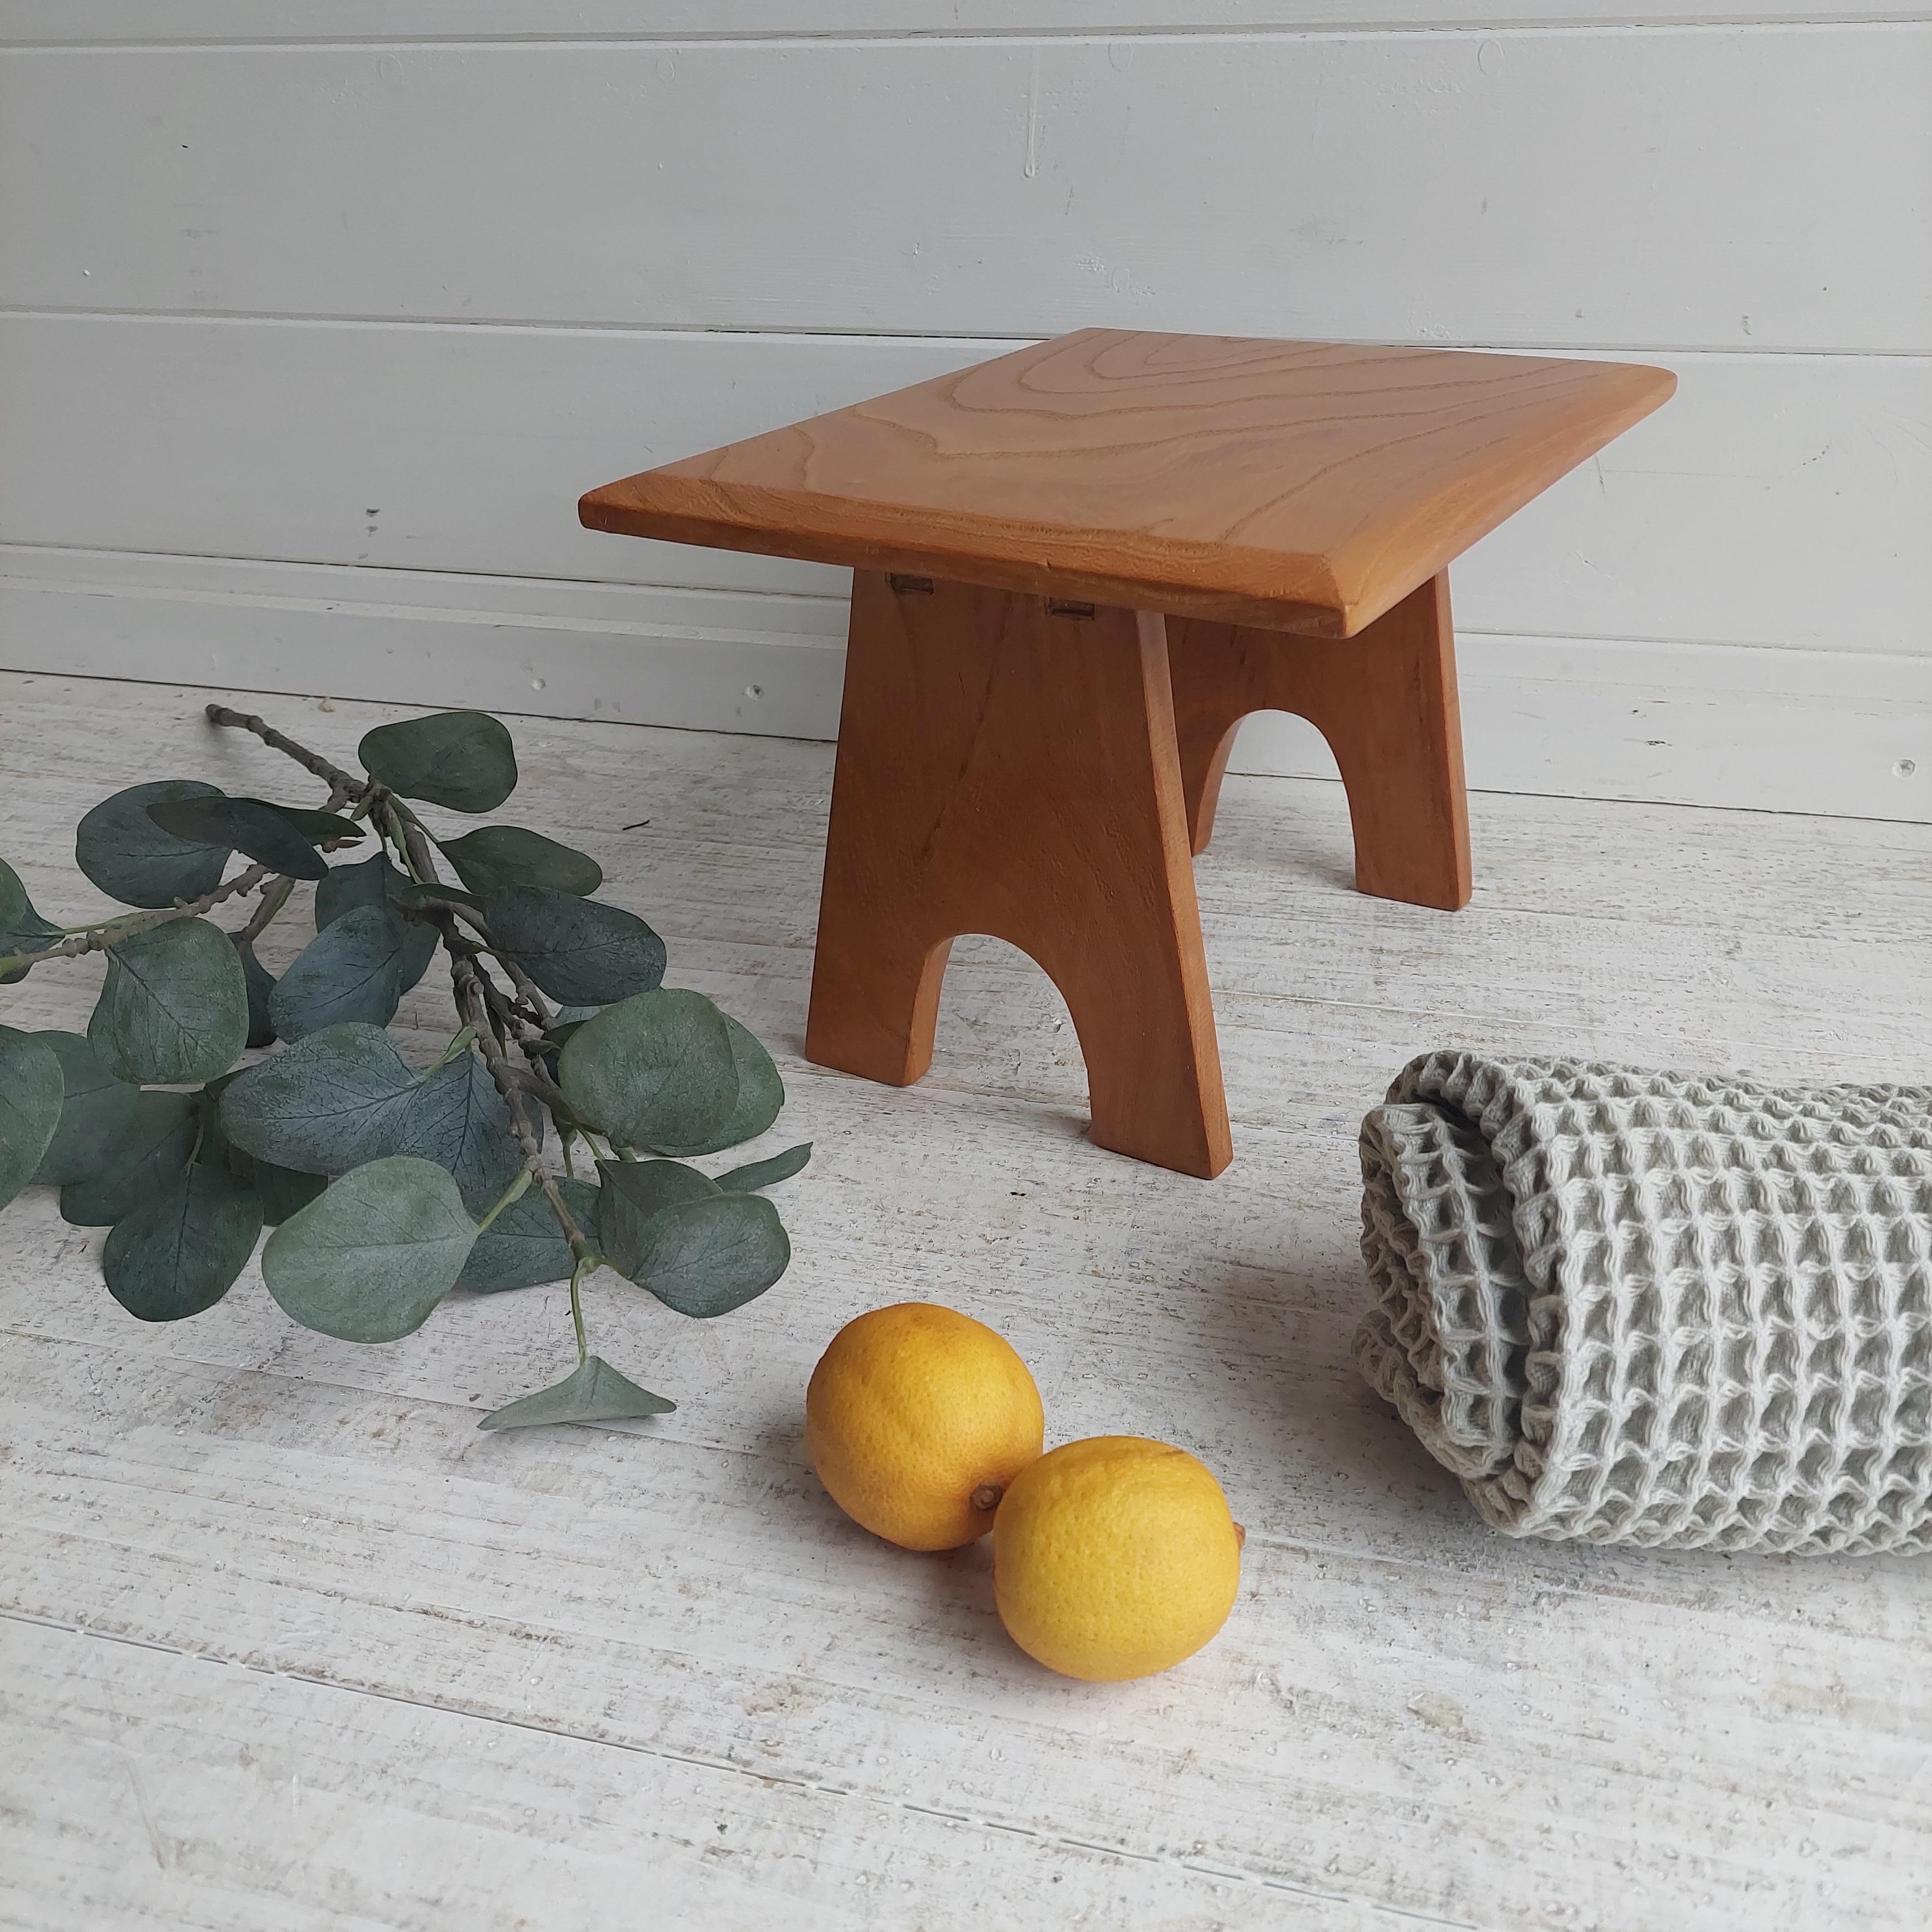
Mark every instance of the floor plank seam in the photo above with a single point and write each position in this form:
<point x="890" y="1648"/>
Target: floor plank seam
<point x="1224" y="1874"/>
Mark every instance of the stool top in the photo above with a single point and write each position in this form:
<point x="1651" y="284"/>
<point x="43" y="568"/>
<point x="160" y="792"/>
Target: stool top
<point x="1304" y="486"/>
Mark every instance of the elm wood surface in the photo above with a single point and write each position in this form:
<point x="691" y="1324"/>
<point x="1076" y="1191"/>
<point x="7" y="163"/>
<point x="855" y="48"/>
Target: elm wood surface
<point x="1008" y="767"/>
<point x="1387" y="704"/>
<point x="1305" y="486"/>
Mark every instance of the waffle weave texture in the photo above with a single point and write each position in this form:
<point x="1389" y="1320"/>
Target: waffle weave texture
<point x="1657" y="1309"/>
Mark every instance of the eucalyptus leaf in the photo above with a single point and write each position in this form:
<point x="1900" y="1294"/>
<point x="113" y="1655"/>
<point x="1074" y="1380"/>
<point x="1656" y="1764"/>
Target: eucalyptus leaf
<point x="261" y="985"/>
<point x="524" y="1247"/>
<point x="31" y="1089"/>
<point x="152" y="1149"/>
<point x="633" y="1191"/>
<point x="461" y="759"/>
<point x="351" y="970"/>
<point x="174" y="1007"/>
<point x="97" y="1111"/>
<point x="369" y="1260"/>
<point x="22" y="928"/>
<point x="372" y="883"/>
<point x="458" y="1119"/>
<point x="653" y="1071"/>
<point x="319" y="828"/>
<point x="507" y="855"/>
<point x="252" y="826"/>
<point x="761" y="1095"/>
<point x="577" y="949"/>
<point x="131" y="859"/>
<point x="596" y="1392"/>
<point x="565" y="1022"/>
<point x="328" y="1103"/>
<point x="180" y="1252"/>
<point x="283" y="1192"/>
<point x="707" y="1257"/>
<point x="759" y="1174"/>
<point x="415" y="894"/>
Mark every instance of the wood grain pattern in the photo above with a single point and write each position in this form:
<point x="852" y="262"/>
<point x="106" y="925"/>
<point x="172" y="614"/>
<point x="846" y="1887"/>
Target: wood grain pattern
<point x="1387" y="706"/>
<point x="346" y="1657"/>
<point x="1007" y="766"/>
<point x="1296" y="485"/>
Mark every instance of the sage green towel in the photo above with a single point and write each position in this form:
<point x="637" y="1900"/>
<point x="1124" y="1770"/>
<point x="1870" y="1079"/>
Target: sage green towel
<point x="1655" y="1308"/>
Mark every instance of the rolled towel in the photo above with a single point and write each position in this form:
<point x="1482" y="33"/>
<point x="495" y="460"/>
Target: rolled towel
<point x="1657" y="1309"/>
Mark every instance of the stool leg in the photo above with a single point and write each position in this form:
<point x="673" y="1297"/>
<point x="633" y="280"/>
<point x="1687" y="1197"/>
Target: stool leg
<point x="1385" y="701"/>
<point x="1008" y="766"/>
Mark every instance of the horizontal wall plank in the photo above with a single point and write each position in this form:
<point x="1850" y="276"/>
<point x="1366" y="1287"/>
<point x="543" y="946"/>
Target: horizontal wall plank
<point x="1768" y="730"/>
<point x="1534" y="188"/>
<point x="1776" y="500"/>
<point x="190" y="22"/>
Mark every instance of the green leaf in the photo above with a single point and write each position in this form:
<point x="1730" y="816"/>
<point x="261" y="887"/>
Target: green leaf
<point x="281" y="1190"/>
<point x="261" y="985"/>
<point x="131" y="859"/>
<point x="328" y="1103"/>
<point x="351" y="970"/>
<point x="174" y="1006"/>
<point x="180" y="1252"/>
<point x="267" y="833"/>
<point x="460" y="759"/>
<point x="524" y="1247"/>
<point x="372" y="883"/>
<point x="415" y="894"/>
<point x="458" y="1119"/>
<point x="761" y="1095"/>
<point x="507" y="855"/>
<point x="705" y="1258"/>
<point x="151" y="1151"/>
<point x="369" y="1260"/>
<point x="98" y="1110"/>
<point x="765" y="1173"/>
<point x="22" y="928"/>
<point x="654" y="1070"/>
<point x="633" y="1191"/>
<point x="594" y="1392"/>
<point x="319" y="828"/>
<point x="30" y="1091"/>
<point x="576" y="949"/>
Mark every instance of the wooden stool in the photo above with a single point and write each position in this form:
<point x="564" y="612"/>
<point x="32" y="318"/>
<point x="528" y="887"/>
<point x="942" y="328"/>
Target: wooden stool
<point x="1076" y="569"/>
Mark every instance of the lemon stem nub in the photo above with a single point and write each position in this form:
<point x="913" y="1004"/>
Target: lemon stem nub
<point x="1241" y="1536"/>
<point x="986" y="1497"/>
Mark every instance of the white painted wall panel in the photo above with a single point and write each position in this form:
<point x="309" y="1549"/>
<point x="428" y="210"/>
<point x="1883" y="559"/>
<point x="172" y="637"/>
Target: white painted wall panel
<point x="1677" y="188"/>
<point x="1776" y="500"/>
<point x="360" y="294"/>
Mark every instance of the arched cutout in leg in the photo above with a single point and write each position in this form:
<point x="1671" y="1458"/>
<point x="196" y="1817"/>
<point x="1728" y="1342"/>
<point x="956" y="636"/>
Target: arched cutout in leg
<point x="1008" y="766"/>
<point x="1386" y="701"/>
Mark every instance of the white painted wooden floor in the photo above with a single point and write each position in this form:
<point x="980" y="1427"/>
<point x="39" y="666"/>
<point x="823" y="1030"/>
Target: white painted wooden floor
<point x="290" y="1644"/>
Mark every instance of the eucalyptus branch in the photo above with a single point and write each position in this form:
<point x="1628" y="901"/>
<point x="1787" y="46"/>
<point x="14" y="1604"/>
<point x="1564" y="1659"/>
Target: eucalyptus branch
<point x="472" y="989"/>
<point x="112" y="931"/>
<point x="332" y="775"/>
<point x="274" y="896"/>
<point x="547" y="1091"/>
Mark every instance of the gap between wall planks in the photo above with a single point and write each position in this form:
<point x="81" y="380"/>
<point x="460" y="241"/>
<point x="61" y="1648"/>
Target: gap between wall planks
<point x="296" y="1632"/>
<point x="191" y="22"/>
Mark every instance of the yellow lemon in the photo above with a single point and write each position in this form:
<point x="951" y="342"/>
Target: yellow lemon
<point x="1115" y="1557"/>
<point x="917" y="1419"/>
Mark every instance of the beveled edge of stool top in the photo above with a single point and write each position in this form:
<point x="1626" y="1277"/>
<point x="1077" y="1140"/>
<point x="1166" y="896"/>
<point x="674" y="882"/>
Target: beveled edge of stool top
<point x="1302" y="486"/>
